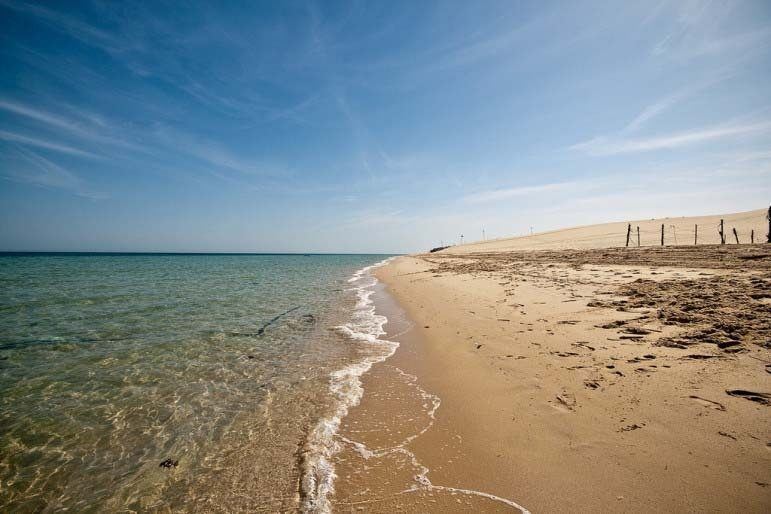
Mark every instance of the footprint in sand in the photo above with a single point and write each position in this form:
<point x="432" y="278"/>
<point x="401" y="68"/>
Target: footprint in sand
<point x="565" y="402"/>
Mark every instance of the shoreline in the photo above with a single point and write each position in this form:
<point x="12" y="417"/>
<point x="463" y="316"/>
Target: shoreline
<point x="317" y="477"/>
<point x="384" y="462"/>
<point x="541" y="405"/>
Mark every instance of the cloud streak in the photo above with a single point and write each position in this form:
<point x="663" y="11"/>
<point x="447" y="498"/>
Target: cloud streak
<point x="67" y="126"/>
<point x="654" y="110"/>
<point x="603" y="146"/>
<point x="212" y="153"/>
<point x="502" y="194"/>
<point x="676" y="98"/>
<point x="34" y="114"/>
<point x="73" y="27"/>
<point x="47" y="145"/>
<point x="49" y="175"/>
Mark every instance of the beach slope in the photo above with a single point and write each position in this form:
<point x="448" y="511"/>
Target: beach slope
<point x="605" y="379"/>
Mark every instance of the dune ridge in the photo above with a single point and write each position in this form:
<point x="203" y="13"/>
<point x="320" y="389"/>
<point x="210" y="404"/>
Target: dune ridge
<point x="677" y="231"/>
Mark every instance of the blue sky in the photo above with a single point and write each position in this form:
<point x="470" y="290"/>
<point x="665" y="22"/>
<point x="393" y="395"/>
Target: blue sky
<point x="372" y="126"/>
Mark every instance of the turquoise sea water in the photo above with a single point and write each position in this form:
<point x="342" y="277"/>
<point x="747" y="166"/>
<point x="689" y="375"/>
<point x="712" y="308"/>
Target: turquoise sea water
<point x="220" y="364"/>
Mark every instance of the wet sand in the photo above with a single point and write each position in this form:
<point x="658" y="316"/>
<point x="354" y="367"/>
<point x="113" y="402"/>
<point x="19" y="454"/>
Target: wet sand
<point x="394" y="444"/>
<point x="568" y="381"/>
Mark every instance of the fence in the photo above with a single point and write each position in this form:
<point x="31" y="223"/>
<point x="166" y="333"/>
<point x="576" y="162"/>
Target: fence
<point x="672" y="232"/>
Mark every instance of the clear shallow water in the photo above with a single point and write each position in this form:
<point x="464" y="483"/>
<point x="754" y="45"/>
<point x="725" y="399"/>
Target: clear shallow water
<point x="110" y="364"/>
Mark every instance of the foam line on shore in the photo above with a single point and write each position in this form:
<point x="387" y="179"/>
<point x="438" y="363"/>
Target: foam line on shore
<point x="318" y="473"/>
<point x="366" y="326"/>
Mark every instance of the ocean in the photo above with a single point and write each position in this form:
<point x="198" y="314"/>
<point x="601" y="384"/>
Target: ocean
<point x="135" y="382"/>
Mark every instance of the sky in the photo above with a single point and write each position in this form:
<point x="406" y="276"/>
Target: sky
<point x="373" y="126"/>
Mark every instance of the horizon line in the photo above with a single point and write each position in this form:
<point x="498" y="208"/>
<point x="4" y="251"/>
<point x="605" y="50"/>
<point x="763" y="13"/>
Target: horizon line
<point x="78" y="252"/>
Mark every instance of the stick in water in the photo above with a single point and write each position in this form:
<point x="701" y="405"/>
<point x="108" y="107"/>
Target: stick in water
<point x="266" y="325"/>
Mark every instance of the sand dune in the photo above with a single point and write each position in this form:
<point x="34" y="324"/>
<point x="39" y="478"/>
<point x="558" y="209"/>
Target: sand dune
<point x="677" y="231"/>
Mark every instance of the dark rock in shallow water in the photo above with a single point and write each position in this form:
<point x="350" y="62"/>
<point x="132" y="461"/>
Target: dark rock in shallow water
<point x="308" y="318"/>
<point x="168" y="464"/>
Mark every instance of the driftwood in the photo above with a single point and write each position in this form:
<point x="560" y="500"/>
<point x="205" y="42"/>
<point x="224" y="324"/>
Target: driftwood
<point x="308" y="318"/>
<point x="276" y="318"/>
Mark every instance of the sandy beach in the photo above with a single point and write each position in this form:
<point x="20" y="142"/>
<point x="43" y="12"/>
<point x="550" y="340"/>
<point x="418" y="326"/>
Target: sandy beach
<point x="558" y="373"/>
<point x="379" y="257"/>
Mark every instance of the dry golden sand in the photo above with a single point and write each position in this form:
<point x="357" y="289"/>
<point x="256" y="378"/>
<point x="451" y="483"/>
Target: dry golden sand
<point x="615" y="380"/>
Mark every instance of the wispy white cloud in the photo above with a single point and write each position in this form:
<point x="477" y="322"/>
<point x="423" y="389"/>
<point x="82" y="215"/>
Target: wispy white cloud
<point x="47" y="174"/>
<point x="698" y="30"/>
<point x="68" y="126"/>
<point x="212" y="153"/>
<point x="502" y="194"/>
<point x="48" y="145"/>
<point x="69" y="25"/>
<point x="293" y="112"/>
<point x="35" y="114"/>
<point x="379" y="219"/>
<point x="654" y="110"/>
<point x="482" y="48"/>
<point x="164" y="140"/>
<point x="753" y="156"/>
<point x="681" y="46"/>
<point x="677" y="97"/>
<point x="324" y="49"/>
<point x="151" y="49"/>
<point x="600" y="146"/>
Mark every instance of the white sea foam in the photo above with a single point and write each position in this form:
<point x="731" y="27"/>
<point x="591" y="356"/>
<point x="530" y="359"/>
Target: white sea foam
<point x="345" y="385"/>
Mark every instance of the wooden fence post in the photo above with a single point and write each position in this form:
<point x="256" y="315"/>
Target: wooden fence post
<point x="695" y="234"/>
<point x="638" y="236"/>
<point x="628" y="232"/>
<point x="752" y="236"/>
<point x="768" y="216"/>
<point x="662" y="234"/>
<point x="722" y="234"/>
<point x="736" y="235"/>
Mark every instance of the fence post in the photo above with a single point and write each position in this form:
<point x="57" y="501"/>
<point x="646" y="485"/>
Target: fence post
<point x="768" y="216"/>
<point x="695" y="234"/>
<point x="662" y="234"/>
<point x="722" y="234"/>
<point x="752" y="236"/>
<point x="736" y="235"/>
<point x="628" y="232"/>
<point x="638" y="236"/>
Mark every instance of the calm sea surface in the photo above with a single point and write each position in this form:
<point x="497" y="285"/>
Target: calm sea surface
<point x="219" y="365"/>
